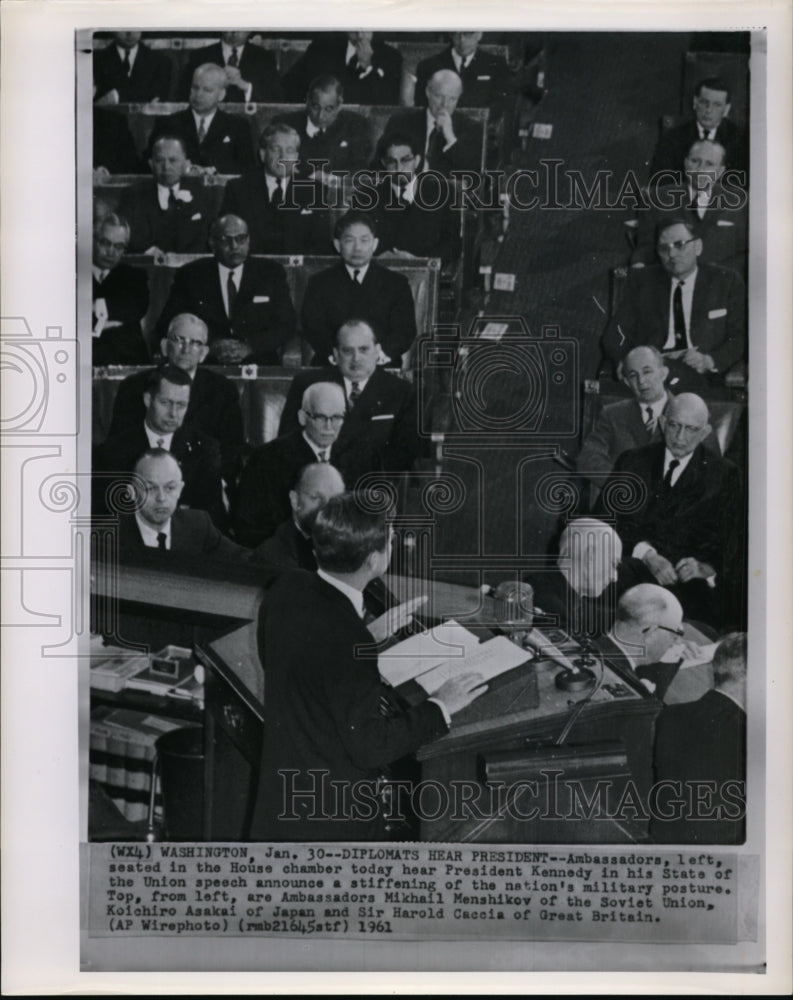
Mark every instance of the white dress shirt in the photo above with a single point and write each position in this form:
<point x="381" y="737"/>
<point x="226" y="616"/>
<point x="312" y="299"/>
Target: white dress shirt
<point x="164" y="194"/>
<point x="149" y="534"/>
<point x="207" y="120"/>
<point x="361" y="272"/>
<point x="133" y="55"/>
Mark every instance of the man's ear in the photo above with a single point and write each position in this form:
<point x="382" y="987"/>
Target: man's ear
<point x="293" y="500"/>
<point x="151" y="164"/>
<point x="337" y="244"/>
<point x="727" y="110"/>
<point x="698" y="246"/>
<point x="665" y="370"/>
<point x="163" y="349"/>
<point x="301" y="417"/>
<point x="375" y="244"/>
<point x="147" y="399"/>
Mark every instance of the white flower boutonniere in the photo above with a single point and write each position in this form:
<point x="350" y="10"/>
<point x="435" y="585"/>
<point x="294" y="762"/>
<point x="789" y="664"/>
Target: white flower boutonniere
<point x="185" y="196"/>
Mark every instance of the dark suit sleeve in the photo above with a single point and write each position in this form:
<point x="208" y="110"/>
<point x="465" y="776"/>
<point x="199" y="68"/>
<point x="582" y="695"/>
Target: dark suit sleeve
<point x="128" y="300"/>
<point x="232" y="203"/>
<point x="217" y="546"/>
<point x="402" y="320"/>
<point x="275" y="334"/>
<point x="128" y="408"/>
<point x="734" y="347"/>
<point x="229" y="431"/>
<point x="404" y="445"/>
<point x="204" y="489"/>
<point x="314" y="326"/>
<point x="262" y="502"/>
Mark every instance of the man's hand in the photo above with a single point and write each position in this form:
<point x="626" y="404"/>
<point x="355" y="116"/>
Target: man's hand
<point x="111" y="97"/>
<point x="153" y="251"/>
<point x="661" y="568"/>
<point x="690" y="568"/>
<point x="444" y="121"/>
<point x="195" y="170"/>
<point x="460" y="691"/>
<point x="394" y="619"/>
<point x="100" y="174"/>
<point x="363" y="49"/>
<point x="701" y="363"/>
<point x="229" y="351"/>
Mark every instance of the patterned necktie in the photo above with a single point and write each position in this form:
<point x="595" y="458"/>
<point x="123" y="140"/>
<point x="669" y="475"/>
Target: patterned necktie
<point x="162" y="539"/>
<point x="649" y="422"/>
<point x="355" y="393"/>
<point x="668" y="477"/>
<point x="231" y="292"/>
<point x="234" y="58"/>
<point x="126" y="64"/>
<point x="278" y="194"/>
<point x="202" y="129"/>
<point x="679" y="318"/>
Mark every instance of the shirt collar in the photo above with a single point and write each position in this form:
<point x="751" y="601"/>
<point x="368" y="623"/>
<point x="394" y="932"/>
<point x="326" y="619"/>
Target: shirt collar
<point x="360" y="382"/>
<point x="351" y="51"/>
<point x="228" y="49"/>
<point x="361" y="272"/>
<point x="226" y="271"/>
<point x="461" y="61"/>
<point x="311" y="128"/>
<point x="688" y="281"/>
<point x="97" y="271"/>
<point x="408" y="192"/>
<point x="316" y="448"/>
<point x="133" y="53"/>
<point x="271" y="181"/>
<point x="149" y="534"/>
<point x="682" y="462"/>
<point x="657" y="407"/>
<point x="154" y="437"/>
<point x="355" y="596"/>
<point x="207" y="118"/>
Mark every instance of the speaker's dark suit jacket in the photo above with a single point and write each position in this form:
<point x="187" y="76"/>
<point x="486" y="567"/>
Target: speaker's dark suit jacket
<point x="114" y="147"/>
<point x="197" y="454"/>
<point x="326" y="709"/>
<point x="486" y="79"/>
<point x="385" y="416"/>
<point x="192" y="534"/>
<point x="256" y="66"/>
<point x="300" y="225"/>
<point x="724" y="228"/>
<point x="703" y="740"/>
<point x="718" y="314"/>
<point x="150" y="78"/>
<point x="422" y="231"/>
<point x="126" y="294"/>
<point x="263" y="315"/>
<point x="347" y="145"/>
<point x="383" y="299"/>
<point x="288" y="548"/>
<point x="326" y="56"/>
<point x="214" y="410"/>
<point x="227" y="146"/>
<point x="181" y="228"/>
<point x="674" y="144"/>
<point x="465" y="154"/>
<point x="272" y="470"/>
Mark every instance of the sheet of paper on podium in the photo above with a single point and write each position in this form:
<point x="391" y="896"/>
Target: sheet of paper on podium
<point x="445" y="651"/>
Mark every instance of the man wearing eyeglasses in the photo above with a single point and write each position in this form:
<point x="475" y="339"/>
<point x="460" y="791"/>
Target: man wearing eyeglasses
<point x="263" y="499"/>
<point x="695" y="314"/>
<point x="120" y="298"/>
<point x="214" y="406"/>
<point x="244" y="302"/>
<point x="682" y="530"/>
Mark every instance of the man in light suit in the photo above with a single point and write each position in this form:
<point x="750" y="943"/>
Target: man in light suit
<point x="244" y="302"/>
<point x="120" y="297"/>
<point x="683" y="526"/>
<point x="251" y="73"/>
<point x="128" y="71"/>
<point x="381" y="408"/>
<point x="485" y="77"/>
<point x="694" y="314"/>
<point x="331" y="725"/>
<point x="170" y="213"/>
<point x="285" y="214"/>
<point x="705" y="741"/>
<point x="215" y="141"/>
<point x="447" y="139"/>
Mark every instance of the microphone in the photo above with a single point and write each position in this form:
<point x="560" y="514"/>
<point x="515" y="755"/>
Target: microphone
<point x="579" y="676"/>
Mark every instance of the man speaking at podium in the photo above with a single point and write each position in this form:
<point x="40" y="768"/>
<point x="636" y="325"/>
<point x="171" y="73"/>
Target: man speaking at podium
<point x="332" y="725"/>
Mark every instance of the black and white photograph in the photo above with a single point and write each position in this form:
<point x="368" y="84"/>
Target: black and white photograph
<point x="396" y="472"/>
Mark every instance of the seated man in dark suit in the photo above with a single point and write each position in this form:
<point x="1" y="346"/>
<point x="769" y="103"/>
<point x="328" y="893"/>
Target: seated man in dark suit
<point x="114" y="147"/>
<point x="719" y="214"/>
<point x="120" y="298"/>
<point x="703" y="742"/>
<point x="166" y="399"/>
<point x="331" y="724"/>
<point x="170" y="213"/>
<point x="370" y="71"/>
<point x="215" y="141"/>
<point x="160" y="524"/>
<point x="694" y="314"/>
<point x="340" y="139"/>
<point x="291" y="547"/>
<point x="285" y="214"/>
<point x="579" y="594"/>
<point x="271" y="472"/>
<point x="711" y="108"/>
<point x="214" y="407"/>
<point x="381" y="407"/>
<point x="357" y="286"/>
<point x="251" y="73"/>
<point x="128" y="72"/>
<point x="410" y="220"/>
<point x="245" y="302"/>
<point x="684" y="520"/>
<point x="447" y="139"/>
<point x="485" y="77"/>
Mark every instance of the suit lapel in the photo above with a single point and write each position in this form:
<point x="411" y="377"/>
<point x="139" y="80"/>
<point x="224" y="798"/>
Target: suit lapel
<point x="699" y="301"/>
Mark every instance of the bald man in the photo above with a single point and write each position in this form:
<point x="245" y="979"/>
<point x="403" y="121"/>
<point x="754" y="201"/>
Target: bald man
<point x="579" y="594"/>
<point x="215" y="141"/>
<point x="272" y="470"/>
<point x="684" y="524"/>
<point x="448" y="140"/>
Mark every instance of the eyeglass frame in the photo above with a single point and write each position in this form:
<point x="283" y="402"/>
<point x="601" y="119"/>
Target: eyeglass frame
<point x="667" y="248"/>
<point x="679" y="632"/>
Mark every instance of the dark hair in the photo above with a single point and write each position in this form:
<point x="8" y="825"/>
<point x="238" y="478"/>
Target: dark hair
<point x="712" y="83"/>
<point x="156" y="453"/>
<point x="729" y="659"/>
<point x="277" y="128"/>
<point x="401" y="139"/>
<point x="669" y="221"/>
<point x="168" y="373"/>
<point x="351" y="219"/>
<point x="326" y="81"/>
<point x="345" y="534"/>
<point x="355" y="321"/>
<point x="169" y="137"/>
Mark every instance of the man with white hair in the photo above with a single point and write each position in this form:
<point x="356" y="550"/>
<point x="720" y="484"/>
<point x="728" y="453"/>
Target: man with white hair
<point x="684" y="521"/>
<point x="272" y="470"/>
<point x="215" y="141"/>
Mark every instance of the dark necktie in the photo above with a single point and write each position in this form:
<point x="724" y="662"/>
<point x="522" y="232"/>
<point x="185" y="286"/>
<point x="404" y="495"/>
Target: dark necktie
<point x="668" y="477"/>
<point x="160" y="442"/>
<point x="202" y="129"/>
<point x="355" y="393"/>
<point x="352" y="62"/>
<point x="323" y="455"/>
<point x="231" y="292"/>
<point x="126" y="64"/>
<point x="278" y="194"/>
<point x="649" y="422"/>
<point x="171" y="198"/>
<point x="355" y="277"/>
<point x="162" y="538"/>
<point x="435" y="147"/>
<point x="679" y="318"/>
<point x="234" y="58"/>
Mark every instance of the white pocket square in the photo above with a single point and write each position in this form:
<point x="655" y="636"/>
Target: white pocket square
<point x="196" y="217"/>
<point x="483" y="78"/>
<point x="383" y="416"/>
<point x="343" y="143"/>
<point x="717" y="313"/>
<point x="260" y="298"/>
<point x="306" y="211"/>
<point x="724" y="222"/>
<point x="226" y="138"/>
